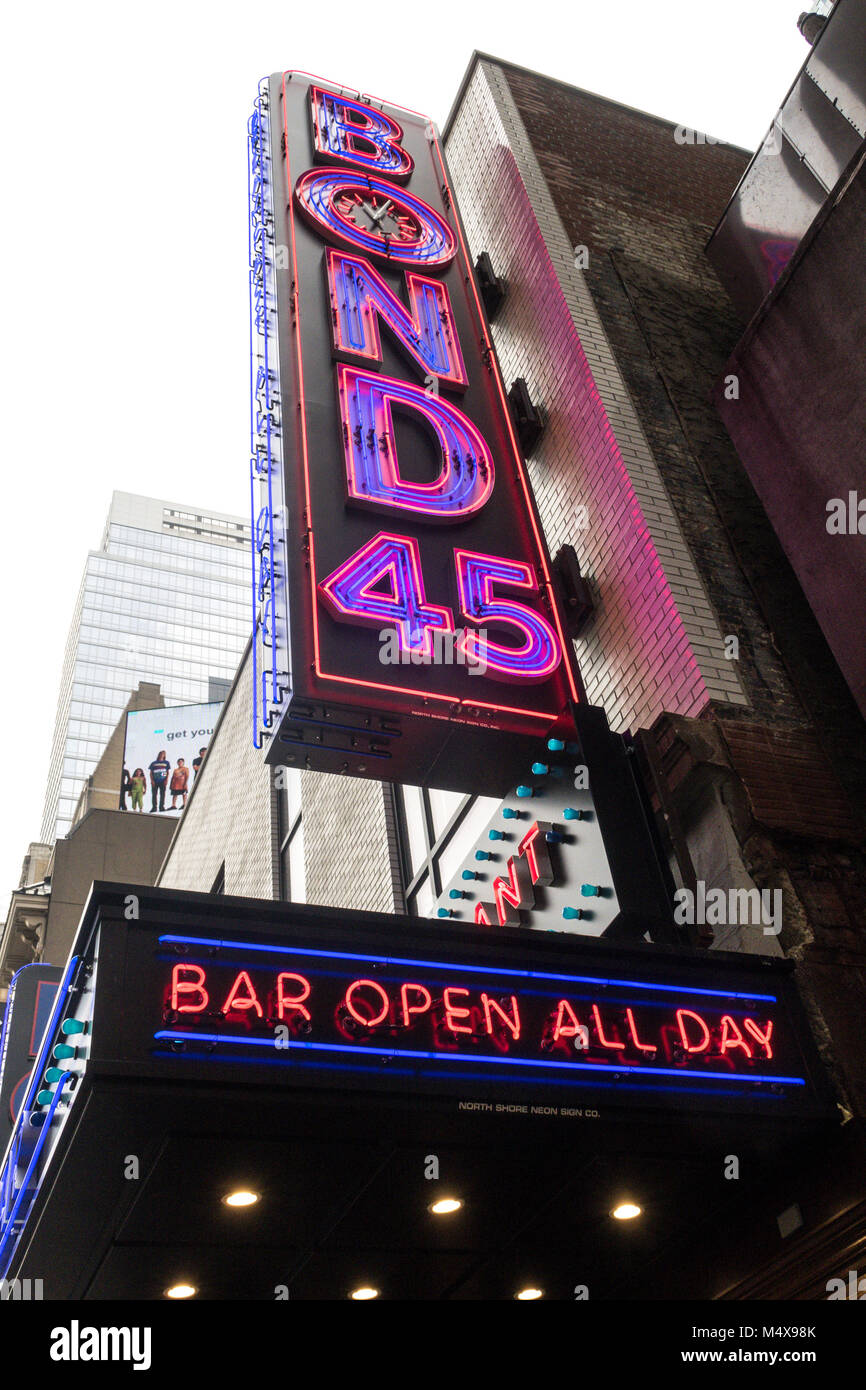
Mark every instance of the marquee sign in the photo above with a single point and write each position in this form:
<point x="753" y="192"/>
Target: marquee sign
<point x="586" y="1030"/>
<point x="404" y="613"/>
<point x="297" y="1000"/>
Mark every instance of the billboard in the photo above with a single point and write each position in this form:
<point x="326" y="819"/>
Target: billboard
<point x="404" y="613"/>
<point x="163" y="754"/>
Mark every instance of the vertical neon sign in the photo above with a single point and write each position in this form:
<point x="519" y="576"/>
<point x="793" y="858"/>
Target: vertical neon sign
<point x="396" y="417"/>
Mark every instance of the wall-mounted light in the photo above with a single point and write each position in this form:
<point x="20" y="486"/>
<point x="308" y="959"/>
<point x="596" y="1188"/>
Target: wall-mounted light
<point x="445" y="1206"/>
<point x="181" y="1291"/>
<point x="364" y="1294"/>
<point x="528" y="1294"/>
<point x="626" y="1211"/>
<point x="241" y="1198"/>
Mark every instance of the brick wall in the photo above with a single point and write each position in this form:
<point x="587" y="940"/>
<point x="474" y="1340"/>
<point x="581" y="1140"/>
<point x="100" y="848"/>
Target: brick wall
<point x="654" y="642"/>
<point x="347" y="846"/>
<point x="644" y="205"/>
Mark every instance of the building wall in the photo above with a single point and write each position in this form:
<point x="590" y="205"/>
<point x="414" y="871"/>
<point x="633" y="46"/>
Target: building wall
<point x="644" y="204"/>
<point x="231" y="814"/>
<point x="654" y="642"/>
<point x="802" y="351"/>
<point x="111" y="846"/>
<point x="348" y="843"/>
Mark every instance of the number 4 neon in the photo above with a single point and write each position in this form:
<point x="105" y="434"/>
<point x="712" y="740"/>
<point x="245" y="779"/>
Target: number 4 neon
<point x="382" y="582"/>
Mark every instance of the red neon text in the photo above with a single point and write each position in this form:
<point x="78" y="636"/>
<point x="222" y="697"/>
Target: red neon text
<point x="181" y="986"/>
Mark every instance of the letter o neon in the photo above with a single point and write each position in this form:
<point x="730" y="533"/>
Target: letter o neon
<point x="359" y="1018"/>
<point x="319" y="191"/>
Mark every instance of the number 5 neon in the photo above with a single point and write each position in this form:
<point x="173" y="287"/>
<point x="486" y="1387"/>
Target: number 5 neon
<point x="540" y="653"/>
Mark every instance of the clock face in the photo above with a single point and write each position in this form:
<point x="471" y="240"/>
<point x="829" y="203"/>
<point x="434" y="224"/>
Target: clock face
<point x="379" y="215"/>
<point x="371" y="214"/>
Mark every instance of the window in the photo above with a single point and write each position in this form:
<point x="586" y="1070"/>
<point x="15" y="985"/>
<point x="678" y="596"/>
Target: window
<point x="293" y="878"/>
<point x="436" y="831"/>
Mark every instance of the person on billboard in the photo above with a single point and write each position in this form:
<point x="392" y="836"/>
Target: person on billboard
<point x="197" y="762"/>
<point x="125" y="788"/>
<point x="137" y="785"/>
<point x="179" y="779"/>
<point x="159" y="770"/>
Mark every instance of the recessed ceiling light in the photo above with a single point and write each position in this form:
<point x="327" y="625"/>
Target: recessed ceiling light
<point x="626" y="1211"/>
<point x="181" y="1291"/>
<point x="446" y="1205"/>
<point x="362" y="1294"/>
<point x="527" y="1295"/>
<point x="241" y="1198"/>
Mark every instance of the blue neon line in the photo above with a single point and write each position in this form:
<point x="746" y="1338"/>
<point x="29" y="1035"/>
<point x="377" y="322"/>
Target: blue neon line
<point x="450" y="965"/>
<point x="25" y="1186"/>
<point x="169" y="1035"/>
<point x="254" y="124"/>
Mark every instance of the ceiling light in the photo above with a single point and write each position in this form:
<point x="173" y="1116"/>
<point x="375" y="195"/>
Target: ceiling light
<point x="181" y="1291"/>
<point x="446" y="1205"/>
<point x="626" y="1211"/>
<point x="362" y="1294"/>
<point x="527" y="1295"/>
<point x="241" y="1198"/>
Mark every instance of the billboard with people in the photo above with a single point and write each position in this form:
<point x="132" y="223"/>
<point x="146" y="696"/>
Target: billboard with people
<point x="163" y="755"/>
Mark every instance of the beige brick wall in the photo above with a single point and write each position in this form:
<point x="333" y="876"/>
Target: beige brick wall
<point x="346" y="842"/>
<point x="654" y="643"/>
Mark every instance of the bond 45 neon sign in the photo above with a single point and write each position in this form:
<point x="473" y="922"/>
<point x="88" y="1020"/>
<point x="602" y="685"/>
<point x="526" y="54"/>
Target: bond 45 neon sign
<point x="397" y="498"/>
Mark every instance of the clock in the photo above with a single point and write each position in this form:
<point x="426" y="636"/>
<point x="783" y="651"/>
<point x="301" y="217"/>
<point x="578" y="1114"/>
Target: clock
<point x="372" y="215"/>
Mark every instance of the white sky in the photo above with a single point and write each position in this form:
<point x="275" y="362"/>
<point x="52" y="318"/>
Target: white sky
<point x="124" y="245"/>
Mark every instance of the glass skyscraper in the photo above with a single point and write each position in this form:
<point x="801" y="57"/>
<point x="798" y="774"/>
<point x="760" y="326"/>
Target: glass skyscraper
<point x="165" y="599"/>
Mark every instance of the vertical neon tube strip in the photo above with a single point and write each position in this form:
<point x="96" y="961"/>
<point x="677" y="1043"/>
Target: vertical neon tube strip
<point x="261" y="421"/>
<point x="268" y="409"/>
<point x="253" y="135"/>
<point x="9" y="1230"/>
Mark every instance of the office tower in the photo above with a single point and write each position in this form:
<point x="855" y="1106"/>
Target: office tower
<point x="166" y="599"/>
